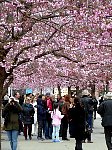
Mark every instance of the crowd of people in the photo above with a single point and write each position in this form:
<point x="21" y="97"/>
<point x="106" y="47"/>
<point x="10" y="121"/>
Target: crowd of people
<point x="49" y="118"/>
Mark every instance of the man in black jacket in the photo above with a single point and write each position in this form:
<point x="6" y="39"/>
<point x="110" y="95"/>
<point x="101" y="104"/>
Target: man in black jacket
<point x="88" y="104"/>
<point x="41" y="116"/>
<point x="105" y="110"/>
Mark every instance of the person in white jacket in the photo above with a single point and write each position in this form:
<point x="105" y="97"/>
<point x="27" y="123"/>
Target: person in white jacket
<point x="56" y="121"/>
<point x="34" y="126"/>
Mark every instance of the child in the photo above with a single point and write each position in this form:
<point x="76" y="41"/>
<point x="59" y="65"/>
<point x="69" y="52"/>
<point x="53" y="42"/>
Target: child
<point x="56" y="121"/>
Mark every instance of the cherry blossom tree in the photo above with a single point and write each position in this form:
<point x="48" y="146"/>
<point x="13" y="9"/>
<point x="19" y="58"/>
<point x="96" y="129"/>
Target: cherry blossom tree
<point x="27" y="28"/>
<point x="50" y="42"/>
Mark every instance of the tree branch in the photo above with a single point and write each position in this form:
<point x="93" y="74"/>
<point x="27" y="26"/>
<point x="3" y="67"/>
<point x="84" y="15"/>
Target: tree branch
<point x="64" y="56"/>
<point x="1" y="1"/>
<point x="28" y="59"/>
<point x="64" y="76"/>
<point x="109" y="45"/>
<point x="3" y="52"/>
<point x="53" y="25"/>
<point x="23" y="49"/>
<point x="32" y="46"/>
<point x="34" y="19"/>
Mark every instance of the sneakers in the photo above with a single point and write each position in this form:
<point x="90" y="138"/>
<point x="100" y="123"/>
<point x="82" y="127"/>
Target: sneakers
<point x="40" y="138"/>
<point x="56" y="141"/>
<point x="89" y="142"/>
<point x="83" y="141"/>
<point x="53" y="140"/>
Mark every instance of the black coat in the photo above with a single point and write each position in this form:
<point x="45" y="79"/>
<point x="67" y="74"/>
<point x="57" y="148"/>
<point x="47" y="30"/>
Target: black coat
<point x="88" y="104"/>
<point x="105" y="110"/>
<point x="77" y="118"/>
<point x="28" y="114"/>
<point x="41" y="110"/>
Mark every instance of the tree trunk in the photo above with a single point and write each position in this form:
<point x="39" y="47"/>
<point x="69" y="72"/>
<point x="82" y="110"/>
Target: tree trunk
<point x="59" y="90"/>
<point x="41" y="91"/>
<point x="1" y="90"/>
<point x="77" y="91"/>
<point x="53" y="90"/>
<point x="2" y="79"/>
<point x="93" y="90"/>
<point x="69" y="91"/>
<point x="107" y="87"/>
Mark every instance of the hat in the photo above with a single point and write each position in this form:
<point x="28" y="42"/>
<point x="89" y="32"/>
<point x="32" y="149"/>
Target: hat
<point x="108" y="95"/>
<point x="85" y="92"/>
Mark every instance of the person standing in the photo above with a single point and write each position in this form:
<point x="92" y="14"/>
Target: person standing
<point x="56" y="121"/>
<point x="41" y="116"/>
<point x="88" y="105"/>
<point x="17" y="98"/>
<point x="61" y="103"/>
<point x="11" y="121"/>
<point x="101" y="100"/>
<point x="95" y="102"/>
<point x="105" y="110"/>
<point x="77" y="116"/>
<point x="65" y="119"/>
<point x="58" y="98"/>
<point x="34" y="126"/>
<point x="70" y="120"/>
<point x="28" y="117"/>
<point x="49" y="108"/>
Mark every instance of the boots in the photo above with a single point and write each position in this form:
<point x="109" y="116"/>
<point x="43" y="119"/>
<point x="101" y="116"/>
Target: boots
<point x="77" y="148"/>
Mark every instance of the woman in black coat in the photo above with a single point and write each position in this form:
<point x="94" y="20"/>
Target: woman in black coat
<point x="77" y="116"/>
<point x="28" y="117"/>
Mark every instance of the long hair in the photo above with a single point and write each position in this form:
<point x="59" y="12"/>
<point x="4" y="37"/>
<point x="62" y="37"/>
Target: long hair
<point x="55" y="106"/>
<point x="67" y="98"/>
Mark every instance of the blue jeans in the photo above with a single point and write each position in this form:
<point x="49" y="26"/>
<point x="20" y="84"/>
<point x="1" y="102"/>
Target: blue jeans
<point x="55" y="132"/>
<point x="48" y="130"/>
<point x="13" y="136"/>
<point x="90" y="120"/>
<point x="44" y="127"/>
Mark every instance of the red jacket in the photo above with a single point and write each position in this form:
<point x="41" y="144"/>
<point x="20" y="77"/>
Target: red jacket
<point x="49" y="104"/>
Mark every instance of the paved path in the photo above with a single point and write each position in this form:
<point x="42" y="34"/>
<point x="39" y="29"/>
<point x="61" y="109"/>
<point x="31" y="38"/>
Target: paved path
<point x="34" y="144"/>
